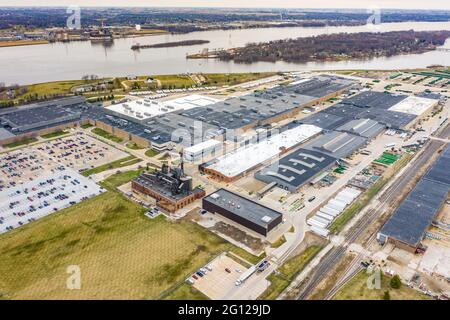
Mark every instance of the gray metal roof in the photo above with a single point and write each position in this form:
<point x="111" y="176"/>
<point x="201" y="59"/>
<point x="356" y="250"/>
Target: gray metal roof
<point x="243" y="207"/>
<point x="296" y="169"/>
<point x="415" y="214"/>
<point x="374" y="99"/>
<point x="336" y="144"/>
<point x="363" y="127"/>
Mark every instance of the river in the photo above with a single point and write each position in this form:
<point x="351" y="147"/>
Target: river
<point x="65" y="61"/>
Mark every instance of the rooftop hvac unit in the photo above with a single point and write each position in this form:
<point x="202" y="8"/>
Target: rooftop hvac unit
<point x="139" y="102"/>
<point x="166" y="119"/>
<point x="170" y="107"/>
<point x="215" y="196"/>
<point x="210" y="109"/>
<point x="147" y="104"/>
<point x="181" y="124"/>
<point x="226" y="103"/>
<point x="242" y="99"/>
<point x="243" y="106"/>
<point x="266" y="219"/>
<point x="164" y="109"/>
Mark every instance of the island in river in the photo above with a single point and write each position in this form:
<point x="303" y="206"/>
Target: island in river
<point x="334" y="47"/>
<point x="169" y="44"/>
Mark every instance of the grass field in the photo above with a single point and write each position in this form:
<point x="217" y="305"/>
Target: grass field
<point x="151" y="153"/>
<point x="119" y="179"/>
<point x="277" y="285"/>
<point x="121" y="253"/>
<point x="175" y="81"/>
<point x="127" y="161"/>
<point x="133" y="146"/>
<point x="54" y="134"/>
<point x="16" y="43"/>
<point x="220" y="79"/>
<point x="20" y="143"/>
<point x="357" y="289"/>
<point x="106" y="135"/>
<point x="185" y="292"/>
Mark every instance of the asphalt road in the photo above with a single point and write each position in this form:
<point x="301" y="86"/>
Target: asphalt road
<point x="336" y="254"/>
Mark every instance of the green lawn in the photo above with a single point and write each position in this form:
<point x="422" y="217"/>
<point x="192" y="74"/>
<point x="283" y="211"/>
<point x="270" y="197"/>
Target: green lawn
<point x="279" y="242"/>
<point x="127" y="161"/>
<point x="296" y="264"/>
<point x="277" y="285"/>
<point x="133" y="146"/>
<point x="121" y="253"/>
<point x="220" y="79"/>
<point x="185" y="292"/>
<point x="20" y="143"/>
<point x="54" y="134"/>
<point x="106" y="135"/>
<point x="119" y="179"/>
<point x="357" y="289"/>
<point x="174" y="81"/>
<point x="151" y="153"/>
<point x="87" y="126"/>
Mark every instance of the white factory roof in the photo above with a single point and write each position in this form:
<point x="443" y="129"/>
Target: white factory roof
<point x="146" y="108"/>
<point x="205" y="145"/>
<point x="247" y="157"/>
<point x="414" y="105"/>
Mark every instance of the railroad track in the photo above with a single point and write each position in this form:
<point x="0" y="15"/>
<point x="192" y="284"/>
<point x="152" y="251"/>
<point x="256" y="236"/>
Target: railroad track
<point x="391" y="193"/>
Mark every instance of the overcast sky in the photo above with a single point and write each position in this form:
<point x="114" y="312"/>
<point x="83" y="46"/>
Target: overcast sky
<point x="399" y="4"/>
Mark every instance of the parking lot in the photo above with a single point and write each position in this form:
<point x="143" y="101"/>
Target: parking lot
<point x="78" y="151"/>
<point x="217" y="283"/>
<point x="35" y="199"/>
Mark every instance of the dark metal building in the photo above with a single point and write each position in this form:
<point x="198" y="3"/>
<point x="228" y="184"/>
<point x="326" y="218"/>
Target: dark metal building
<point x="246" y="212"/>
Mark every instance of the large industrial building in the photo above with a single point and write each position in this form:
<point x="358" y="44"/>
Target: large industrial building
<point x="38" y="118"/>
<point x="407" y="226"/>
<point x="235" y="164"/>
<point x="296" y="169"/>
<point x="246" y="212"/>
<point x="170" y="188"/>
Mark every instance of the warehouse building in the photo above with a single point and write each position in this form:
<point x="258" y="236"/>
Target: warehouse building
<point x="143" y="109"/>
<point x="246" y="212"/>
<point x="296" y="169"/>
<point x="363" y="127"/>
<point x="236" y="163"/>
<point x="407" y="226"/>
<point x="39" y="118"/>
<point x="336" y="144"/>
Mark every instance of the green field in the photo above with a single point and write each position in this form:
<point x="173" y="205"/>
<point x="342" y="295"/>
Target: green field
<point x="121" y="253"/>
<point x="220" y="79"/>
<point x="133" y="146"/>
<point x="185" y="292"/>
<point x="119" y="179"/>
<point x="54" y="134"/>
<point x="151" y="153"/>
<point x="106" y="135"/>
<point x="357" y="289"/>
<point x="20" y="143"/>
<point x="127" y="161"/>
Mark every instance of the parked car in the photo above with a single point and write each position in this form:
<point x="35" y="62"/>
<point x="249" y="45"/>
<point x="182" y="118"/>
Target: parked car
<point x="227" y="270"/>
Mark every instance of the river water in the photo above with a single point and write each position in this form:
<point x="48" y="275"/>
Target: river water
<point x="64" y="61"/>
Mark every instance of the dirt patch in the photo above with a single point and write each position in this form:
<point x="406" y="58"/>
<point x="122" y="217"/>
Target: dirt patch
<point x="238" y="235"/>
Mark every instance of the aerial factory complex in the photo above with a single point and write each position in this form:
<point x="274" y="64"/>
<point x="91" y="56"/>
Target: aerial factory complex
<point x="288" y="167"/>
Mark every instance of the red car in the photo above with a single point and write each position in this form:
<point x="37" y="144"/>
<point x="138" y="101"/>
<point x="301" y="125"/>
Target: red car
<point x="227" y="270"/>
<point x="195" y="277"/>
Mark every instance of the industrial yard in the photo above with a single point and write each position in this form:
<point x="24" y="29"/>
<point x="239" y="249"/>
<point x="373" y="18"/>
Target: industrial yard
<point x="161" y="188"/>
